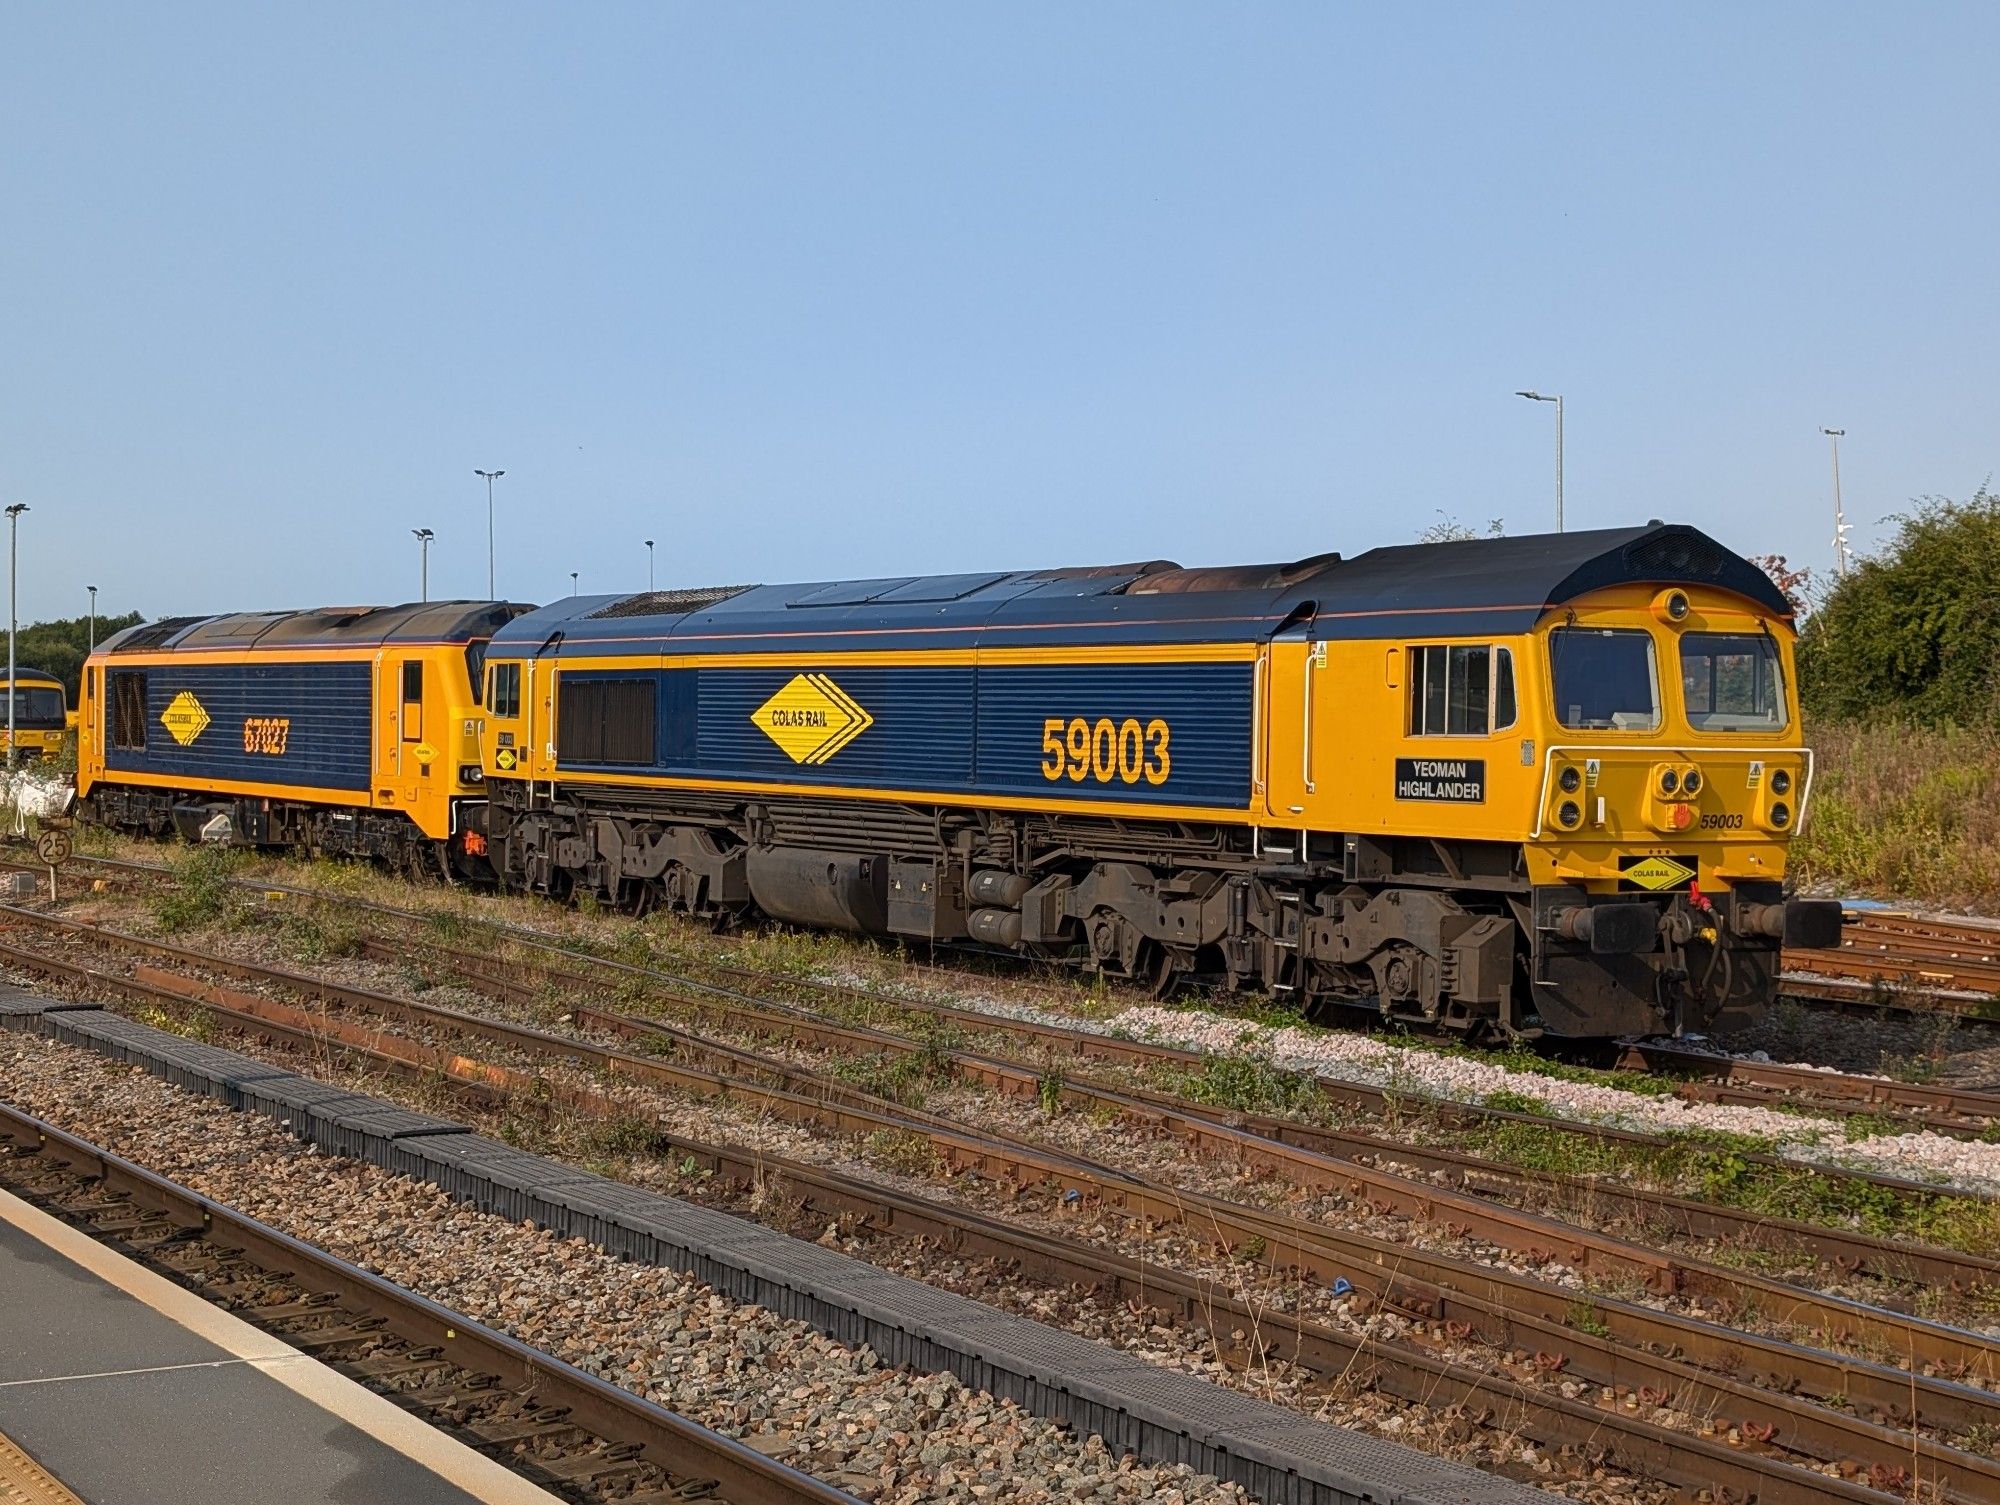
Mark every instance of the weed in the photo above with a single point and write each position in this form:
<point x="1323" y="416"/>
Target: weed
<point x="900" y="1150"/>
<point x="1251" y="1250"/>
<point x="1584" y="1317"/>
<point x="1049" y="1092"/>
<point x="1904" y="811"/>
<point x="448" y="926"/>
<point x="201" y="894"/>
<point x="319" y="937"/>
<point x="1245" y="1084"/>
<point x="627" y="1134"/>
<point x="902" y="1077"/>
<point x="190" y="1024"/>
<point x="1506" y="1100"/>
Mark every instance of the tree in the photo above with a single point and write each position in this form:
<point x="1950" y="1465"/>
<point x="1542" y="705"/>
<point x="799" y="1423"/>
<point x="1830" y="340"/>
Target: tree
<point x="60" y="647"/>
<point x="1448" y="529"/>
<point x="1914" y="631"/>
<point x="1794" y="584"/>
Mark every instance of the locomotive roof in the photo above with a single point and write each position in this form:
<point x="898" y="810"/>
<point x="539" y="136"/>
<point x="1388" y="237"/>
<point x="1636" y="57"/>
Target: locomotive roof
<point x="1498" y="586"/>
<point x="23" y="675"/>
<point x="320" y="627"/>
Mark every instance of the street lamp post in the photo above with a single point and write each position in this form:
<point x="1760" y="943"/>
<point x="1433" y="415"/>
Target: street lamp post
<point x="13" y="618"/>
<point x="1840" y="528"/>
<point x="424" y="537"/>
<point x="93" y="616"/>
<point x="490" y="477"/>
<point x="572" y="582"/>
<point x="1557" y="400"/>
<point x="649" y="565"/>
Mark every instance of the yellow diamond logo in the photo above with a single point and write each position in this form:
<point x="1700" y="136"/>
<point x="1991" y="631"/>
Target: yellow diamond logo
<point x="1658" y="872"/>
<point x="811" y="718"/>
<point x="185" y="718"/>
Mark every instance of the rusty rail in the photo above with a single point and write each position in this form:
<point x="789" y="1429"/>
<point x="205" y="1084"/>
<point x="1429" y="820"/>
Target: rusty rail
<point x="1394" y="1274"/>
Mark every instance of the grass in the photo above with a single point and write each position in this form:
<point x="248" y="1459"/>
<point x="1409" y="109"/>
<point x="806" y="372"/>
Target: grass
<point x="1719" y="1168"/>
<point x="313" y="937"/>
<point x="201" y="894"/>
<point x="1904" y="812"/>
<point x="1243" y="1084"/>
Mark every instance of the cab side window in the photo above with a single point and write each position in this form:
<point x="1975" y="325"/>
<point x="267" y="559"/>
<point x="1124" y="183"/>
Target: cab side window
<point x="1460" y="690"/>
<point x="503" y="696"/>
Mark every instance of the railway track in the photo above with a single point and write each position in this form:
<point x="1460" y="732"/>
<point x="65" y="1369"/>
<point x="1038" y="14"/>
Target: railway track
<point x="566" y="1430"/>
<point x="1904" y="964"/>
<point x="1945" y="1110"/>
<point x="1906" y="1105"/>
<point x="738" y="992"/>
<point x="1448" y="1297"/>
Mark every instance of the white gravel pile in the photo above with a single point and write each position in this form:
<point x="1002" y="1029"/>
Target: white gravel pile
<point x="1338" y="1055"/>
<point x="883" y="1434"/>
<point x="1356" y="1058"/>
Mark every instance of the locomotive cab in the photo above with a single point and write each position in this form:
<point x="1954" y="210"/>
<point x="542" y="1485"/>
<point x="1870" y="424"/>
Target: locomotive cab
<point x="1672" y="779"/>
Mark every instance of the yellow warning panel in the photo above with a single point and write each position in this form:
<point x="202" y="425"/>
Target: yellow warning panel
<point x="185" y="718"/>
<point x="25" y="1482"/>
<point x="1657" y="873"/>
<point x="811" y="718"/>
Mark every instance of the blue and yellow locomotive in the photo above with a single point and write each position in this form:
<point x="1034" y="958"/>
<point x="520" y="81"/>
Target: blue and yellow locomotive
<point x="352" y="731"/>
<point x="1506" y="787"/>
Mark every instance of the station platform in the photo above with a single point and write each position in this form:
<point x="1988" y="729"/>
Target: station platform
<point x="118" y="1387"/>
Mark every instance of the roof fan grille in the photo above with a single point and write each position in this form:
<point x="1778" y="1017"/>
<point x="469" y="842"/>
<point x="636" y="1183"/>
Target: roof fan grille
<point x="669" y="603"/>
<point x="1677" y="556"/>
<point x="155" y="633"/>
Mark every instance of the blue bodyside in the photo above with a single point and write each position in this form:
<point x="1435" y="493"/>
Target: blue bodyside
<point x="956" y="730"/>
<point x="329" y="707"/>
<point x="922" y="737"/>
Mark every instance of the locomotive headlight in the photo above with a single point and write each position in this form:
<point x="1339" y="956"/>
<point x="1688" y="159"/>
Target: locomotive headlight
<point x="471" y="773"/>
<point x="1781" y="781"/>
<point x="1670" y="782"/>
<point x="1568" y="814"/>
<point x="1570" y="780"/>
<point x="1691" y="782"/>
<point x="1781" y="815"/>
<point x="1671" y="607"/>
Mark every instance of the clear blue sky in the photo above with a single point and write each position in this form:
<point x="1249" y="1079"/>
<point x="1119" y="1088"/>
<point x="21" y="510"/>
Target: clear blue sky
<point x="819" y="290"/>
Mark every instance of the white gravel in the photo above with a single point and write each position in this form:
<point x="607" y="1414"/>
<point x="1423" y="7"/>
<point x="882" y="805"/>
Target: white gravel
<point x="1338" y="1055"/>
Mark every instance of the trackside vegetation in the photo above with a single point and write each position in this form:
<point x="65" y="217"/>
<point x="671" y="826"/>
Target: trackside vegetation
<point x="1899" y="669"/>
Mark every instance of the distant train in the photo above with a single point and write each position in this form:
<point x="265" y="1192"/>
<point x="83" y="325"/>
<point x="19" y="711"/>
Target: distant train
<point x="1504" y="787"/>
<point x="41" y="714"/>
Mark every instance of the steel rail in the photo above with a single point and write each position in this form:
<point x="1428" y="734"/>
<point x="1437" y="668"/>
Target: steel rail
<point x="1394" y="1274"/>
<point x="1486" y="1178"/>
<point x="729" y="1072"/>
<point x="673" y="1442"/>
<point x="1067" y="1042"/>
<point x="1944" y="1110"/>
<point x="1772" y="1429"/>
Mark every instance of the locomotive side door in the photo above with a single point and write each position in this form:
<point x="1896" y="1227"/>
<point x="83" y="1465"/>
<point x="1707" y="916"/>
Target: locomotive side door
<point x="1294" y="713"/>
<point x="414" y="752"/>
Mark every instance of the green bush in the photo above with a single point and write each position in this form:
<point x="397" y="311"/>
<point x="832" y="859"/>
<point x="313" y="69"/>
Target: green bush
<point x="1913" y="633"/>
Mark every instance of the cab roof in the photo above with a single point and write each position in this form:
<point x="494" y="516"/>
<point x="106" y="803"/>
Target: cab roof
<point x="23" y="675"/>
<point x="1483" y="586"/>
<point x="320" y="627"/>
